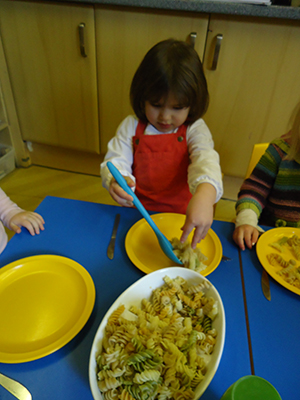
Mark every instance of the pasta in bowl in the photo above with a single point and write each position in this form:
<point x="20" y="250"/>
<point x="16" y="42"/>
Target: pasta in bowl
<point x="169" y="348"/>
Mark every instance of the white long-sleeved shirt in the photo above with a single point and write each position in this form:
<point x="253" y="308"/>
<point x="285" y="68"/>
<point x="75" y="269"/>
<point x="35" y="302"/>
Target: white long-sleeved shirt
<point x="7" y="210"/>
<point x="205" y="161"/>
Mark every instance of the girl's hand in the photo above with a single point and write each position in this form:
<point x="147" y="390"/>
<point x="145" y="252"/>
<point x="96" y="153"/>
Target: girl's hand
<point x="119" y="195"/>
<point x="30" y="220"/>
<point x="245" y="234"/>
<point x="199" y="214"/>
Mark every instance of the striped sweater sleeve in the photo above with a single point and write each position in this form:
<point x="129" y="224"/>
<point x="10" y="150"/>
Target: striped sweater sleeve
<point x="255" y="190"/>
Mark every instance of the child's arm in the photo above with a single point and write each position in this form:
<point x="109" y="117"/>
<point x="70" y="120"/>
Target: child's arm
<point x="205" y="161"/>
<point x="253" y="196"/>
<point x="199" y="214"/>
<point x="119" y="152"/>
<point x="205" y="181"/>
<point x="32" y="221"/>
<point x="247" y="229"/>
<point x="13" y="217"/>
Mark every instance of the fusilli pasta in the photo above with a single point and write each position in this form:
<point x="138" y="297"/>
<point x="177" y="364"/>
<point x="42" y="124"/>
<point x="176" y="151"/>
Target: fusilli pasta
<point x="162" y="354"/>
<point x="190" y="258"/>
<point x="289" y="270"/>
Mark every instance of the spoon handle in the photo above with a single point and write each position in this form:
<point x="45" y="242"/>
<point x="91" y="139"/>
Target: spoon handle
<point x="163" y="241"/>
<point x="122" y="182"/>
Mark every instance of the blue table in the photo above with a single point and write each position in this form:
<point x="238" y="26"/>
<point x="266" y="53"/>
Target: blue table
<point x="81" y="231"/>
<point x="274" y="329"/>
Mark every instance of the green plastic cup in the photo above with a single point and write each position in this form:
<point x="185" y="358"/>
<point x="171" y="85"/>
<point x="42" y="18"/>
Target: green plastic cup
<point x="251" y="387"/>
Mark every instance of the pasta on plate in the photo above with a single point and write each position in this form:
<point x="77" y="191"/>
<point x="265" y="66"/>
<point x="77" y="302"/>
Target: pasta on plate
<point x="191" y="258"/>
<point x="286" y="259"/>
<point x="160" y="349"/>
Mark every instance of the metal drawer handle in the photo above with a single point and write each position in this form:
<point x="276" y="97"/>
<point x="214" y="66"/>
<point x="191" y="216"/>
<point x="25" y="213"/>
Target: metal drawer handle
<point x="81" y="27"/>
<point x="219" y="38"/>
<point x="192" y="38"/>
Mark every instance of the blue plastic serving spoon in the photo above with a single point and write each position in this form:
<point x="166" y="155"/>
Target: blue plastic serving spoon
<point x="163" y="241"/>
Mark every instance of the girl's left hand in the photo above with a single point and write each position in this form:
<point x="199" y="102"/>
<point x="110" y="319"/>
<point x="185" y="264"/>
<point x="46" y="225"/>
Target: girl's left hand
<point x="30" y="220"/>
<point x="199" y="214"/>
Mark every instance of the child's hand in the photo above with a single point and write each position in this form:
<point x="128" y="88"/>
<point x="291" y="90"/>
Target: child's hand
<point x="199" y="214"/>
<point x="30" y="220"/>
<point x="245" y="234"/>
<point x="119" y="195"/>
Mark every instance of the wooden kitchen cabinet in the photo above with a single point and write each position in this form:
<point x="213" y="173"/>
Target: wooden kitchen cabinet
<point x="255" y="87"/>
<point x="123" y="36"/>
<point x="54" y="86"/>
<point x="60" y="95"/>
<point x="69" y="105"/>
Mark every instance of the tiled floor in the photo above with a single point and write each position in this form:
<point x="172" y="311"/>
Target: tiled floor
<point x="29" y="186"/>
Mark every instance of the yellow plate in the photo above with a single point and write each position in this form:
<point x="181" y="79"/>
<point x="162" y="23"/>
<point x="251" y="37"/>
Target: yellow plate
<point x="45" y="301"/>
<point x="144" y="250"/>
<point x="263" y="248"/>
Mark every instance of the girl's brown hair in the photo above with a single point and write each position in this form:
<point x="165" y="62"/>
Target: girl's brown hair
<point x="171" y="66"/>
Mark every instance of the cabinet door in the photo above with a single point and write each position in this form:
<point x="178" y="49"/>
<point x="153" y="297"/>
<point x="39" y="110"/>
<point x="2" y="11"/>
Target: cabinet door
<point x="255" y="87"/>
<point x="54" y="86"/>
<point x="123" y="38"/>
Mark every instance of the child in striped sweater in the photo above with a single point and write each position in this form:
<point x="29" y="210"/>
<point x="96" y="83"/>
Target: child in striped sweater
<point x="271" y="195"/>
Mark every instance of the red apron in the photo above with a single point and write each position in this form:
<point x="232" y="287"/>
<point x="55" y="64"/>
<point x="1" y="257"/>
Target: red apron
<point x="160" y="167"/>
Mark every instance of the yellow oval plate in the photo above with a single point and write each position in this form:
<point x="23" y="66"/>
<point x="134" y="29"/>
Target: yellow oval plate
<point x="45" y="301"/>
<point x="144" y="251"/>
<point x="263" y="248"/>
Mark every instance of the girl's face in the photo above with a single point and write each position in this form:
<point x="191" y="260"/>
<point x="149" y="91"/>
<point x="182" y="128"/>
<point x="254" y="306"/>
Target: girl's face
<point x="167" y="114"/>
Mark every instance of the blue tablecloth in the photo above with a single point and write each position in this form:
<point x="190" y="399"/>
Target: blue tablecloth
<point x="81" y="231"/>
<point x="274" y="329"/>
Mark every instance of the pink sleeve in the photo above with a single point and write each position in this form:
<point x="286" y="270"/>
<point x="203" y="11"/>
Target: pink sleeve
<point x="7" y="208"/>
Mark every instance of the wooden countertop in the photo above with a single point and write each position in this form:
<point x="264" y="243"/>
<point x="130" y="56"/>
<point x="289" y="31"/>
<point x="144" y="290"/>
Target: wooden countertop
<point x="199" y="6"/>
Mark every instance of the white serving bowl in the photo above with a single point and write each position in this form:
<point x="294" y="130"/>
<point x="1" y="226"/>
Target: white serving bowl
<point x="143" y="289"/>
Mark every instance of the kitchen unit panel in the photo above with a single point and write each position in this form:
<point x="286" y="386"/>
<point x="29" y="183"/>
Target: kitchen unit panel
<point x="255" y="86"/>
<point x="54" y="85"/>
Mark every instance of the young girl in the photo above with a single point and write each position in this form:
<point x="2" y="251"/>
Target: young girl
<point x="271" y="195"/>
<point x="166" y="152"/>
<point x="13" y="217"/>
